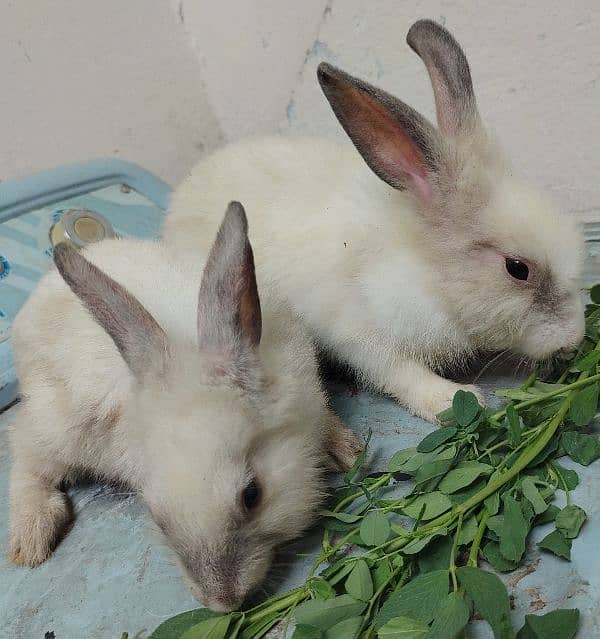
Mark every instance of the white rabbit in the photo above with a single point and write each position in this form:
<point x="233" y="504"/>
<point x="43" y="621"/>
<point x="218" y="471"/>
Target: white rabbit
<point x="407" y="269"/>
<point x="174" y="393"/>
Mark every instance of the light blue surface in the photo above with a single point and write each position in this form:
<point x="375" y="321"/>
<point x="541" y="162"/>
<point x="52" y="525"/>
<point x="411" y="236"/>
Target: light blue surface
<point x="29" y="207"/>
<point x="112" y="574"/>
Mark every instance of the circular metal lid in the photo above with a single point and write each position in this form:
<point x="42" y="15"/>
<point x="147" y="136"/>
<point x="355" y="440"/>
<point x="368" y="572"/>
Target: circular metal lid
<point x="81" y="227"/>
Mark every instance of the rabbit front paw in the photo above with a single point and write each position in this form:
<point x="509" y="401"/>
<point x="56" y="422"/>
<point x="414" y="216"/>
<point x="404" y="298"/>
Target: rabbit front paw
<point x="39" y="517"/>
<point x="436" y="397"/>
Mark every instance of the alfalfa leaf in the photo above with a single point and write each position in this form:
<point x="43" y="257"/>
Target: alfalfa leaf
<point x="490" y="598"/>
<point x="465" y="407"/>
<point x="419" y="599"/>
<point x="360" y="583"/>
<point x="375" y="528"/>
<point x="557" y="543"/>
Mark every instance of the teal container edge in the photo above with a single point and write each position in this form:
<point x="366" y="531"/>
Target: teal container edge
<point x="20" y="196"/>
<point x="25" y="194"/>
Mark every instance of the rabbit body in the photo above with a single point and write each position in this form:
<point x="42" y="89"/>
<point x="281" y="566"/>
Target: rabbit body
<point x="406" y="262"/>
<point x="191" y="438"/>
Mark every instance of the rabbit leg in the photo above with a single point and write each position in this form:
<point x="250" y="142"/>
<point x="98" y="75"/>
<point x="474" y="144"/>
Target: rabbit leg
<point x="342" y="444"/>
<point x="422" y="391"/>
<point x="39" y="515"/>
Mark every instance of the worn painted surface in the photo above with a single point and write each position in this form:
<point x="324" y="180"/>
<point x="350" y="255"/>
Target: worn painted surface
<point x="164" y="82"/>
<point x="536" y="72"/>
<point x="112" y="573"/>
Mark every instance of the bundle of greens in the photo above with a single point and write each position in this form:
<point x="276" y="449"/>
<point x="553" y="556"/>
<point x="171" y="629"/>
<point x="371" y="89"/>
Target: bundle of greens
<point x="407" y="566"/>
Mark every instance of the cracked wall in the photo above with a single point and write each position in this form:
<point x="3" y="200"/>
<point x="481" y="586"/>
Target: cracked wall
<point x="164" y="82"/>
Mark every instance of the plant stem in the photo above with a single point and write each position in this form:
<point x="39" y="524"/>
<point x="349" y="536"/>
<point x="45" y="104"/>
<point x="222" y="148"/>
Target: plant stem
<point x="452" y="567"/>
<point x="474" y="552"/>
<point x="582" y="381"/>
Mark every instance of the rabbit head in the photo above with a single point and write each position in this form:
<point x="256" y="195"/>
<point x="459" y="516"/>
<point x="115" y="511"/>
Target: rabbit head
<point x="507" y="264"/>
<point x="227" y="470"/>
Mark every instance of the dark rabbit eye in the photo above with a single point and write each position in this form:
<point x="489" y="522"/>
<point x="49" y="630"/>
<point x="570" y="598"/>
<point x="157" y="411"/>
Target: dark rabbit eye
<point x="251" y="495"/>
<point x="517" y="269"/>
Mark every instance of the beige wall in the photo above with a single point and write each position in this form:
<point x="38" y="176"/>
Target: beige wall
<point x="162" y="81"/>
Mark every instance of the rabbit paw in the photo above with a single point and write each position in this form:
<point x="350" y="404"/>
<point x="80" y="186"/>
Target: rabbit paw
<point x="343" y="445"/>
<point x="437" y="397"/>
<point x="38" y="521"/>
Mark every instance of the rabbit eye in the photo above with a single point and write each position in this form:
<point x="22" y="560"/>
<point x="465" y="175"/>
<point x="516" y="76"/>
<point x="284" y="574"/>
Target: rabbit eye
<point x="251" y="495"/>
<point x="517" y="269"/>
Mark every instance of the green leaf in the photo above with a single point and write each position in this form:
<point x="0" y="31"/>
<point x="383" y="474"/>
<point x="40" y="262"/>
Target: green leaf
<point x="595" y="294"/>
<point x="359" y="583"/>
<point x="406" y="461"/>
<point x="375" y="528"/>
<point x="430" y="474"/>
<point x="347" y="518"/>
<point x="558" y="624"/>
<point x="382" y="574"/>
<point x="324" y="614"/>
<point x="465" y="407"/>
<point x="548" y="516"/>
<point x="437" y="438"/>
<point x="403" y="628"/>
<point x="490" y="598"/>
<point x="334" y="574"/>
<point x="451" y="617"/>
<point x="463" y="475"/>
<point x="570" y="520"/>
<point x="492" y="503"/>
<point x="438" y="555"/>
<point x="587" y="362"/>
<point x="435" y="504"/>
<point x="319" y="588"/>
<point x="346" y="629"/>
<point x="492" y="554"/>
<point x="584" y="449"/>
<point x="418" y="599"/>
<point x="569" y="477"/>
<point x="557" y="543"/>
<point x="532" y="494"/>
<point x="515" y="427"/>
<point x="513" y="393"/>
<point x="303" y="631"/>
<point x="415" y="546"/>
<point x="514" y="531"/>
<point x="214" y="628"/>
<point x="176" y="626"/>
<point x="468" y="531"/>
<point x="445" y="416"/>
<point x="584" y="405"/>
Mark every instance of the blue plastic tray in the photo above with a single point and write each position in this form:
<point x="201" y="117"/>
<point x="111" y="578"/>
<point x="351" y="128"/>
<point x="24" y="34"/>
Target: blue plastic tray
<point x="133" y="201"/>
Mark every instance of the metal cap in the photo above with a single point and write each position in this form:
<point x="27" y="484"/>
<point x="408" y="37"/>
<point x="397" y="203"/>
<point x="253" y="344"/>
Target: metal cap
<point x="81" y="227"/>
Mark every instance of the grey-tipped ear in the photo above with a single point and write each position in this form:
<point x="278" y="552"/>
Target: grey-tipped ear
<point x="450" y="76"/>
<point x="137" y="335"/>
<point x="399" y="144"/>
<point x="229" y="317"/>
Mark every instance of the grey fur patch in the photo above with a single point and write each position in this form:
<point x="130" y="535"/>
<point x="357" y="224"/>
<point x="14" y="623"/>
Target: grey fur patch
<point x="137" y="335"/>
<point x="228" y="304"/>
<point x="449" y="73"/>
<point x="229" y="316"/>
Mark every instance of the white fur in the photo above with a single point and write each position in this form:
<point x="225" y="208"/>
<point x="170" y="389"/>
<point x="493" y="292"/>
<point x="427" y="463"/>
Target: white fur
<point x="395" y="287"/>
<point x="189" y="441"/>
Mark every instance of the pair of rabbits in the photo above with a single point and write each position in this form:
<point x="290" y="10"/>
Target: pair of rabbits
<point x="401" y="263"/>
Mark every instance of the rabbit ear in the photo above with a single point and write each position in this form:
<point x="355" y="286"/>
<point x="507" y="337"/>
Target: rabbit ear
<point x="137" y="335"/>
<point x="399" y="145"/>
<point x="229" y="317"/>
<point x="450" y="76"/>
